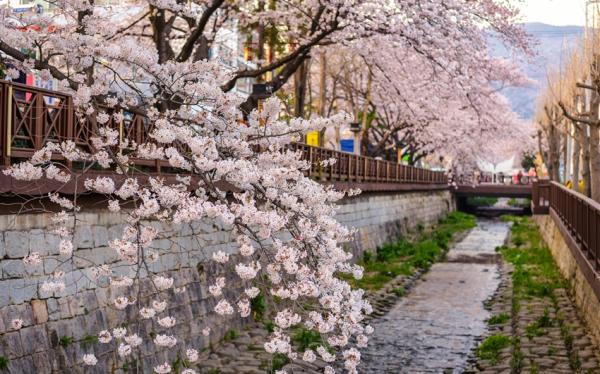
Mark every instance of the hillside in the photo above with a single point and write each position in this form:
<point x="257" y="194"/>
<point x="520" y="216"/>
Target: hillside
<point x="553" y="41"/>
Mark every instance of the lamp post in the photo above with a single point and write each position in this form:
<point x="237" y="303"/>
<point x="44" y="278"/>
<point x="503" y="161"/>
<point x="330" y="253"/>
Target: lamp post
<point x="355" y="128"/>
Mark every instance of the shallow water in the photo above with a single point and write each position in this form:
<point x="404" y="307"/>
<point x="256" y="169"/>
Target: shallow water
<point x="433" y="328"/>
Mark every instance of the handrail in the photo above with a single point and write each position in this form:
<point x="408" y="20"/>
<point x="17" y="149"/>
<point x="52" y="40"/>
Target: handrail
<point x="30" y="117"/>
<point x="580" y="215"/>
<point x="353" y="168"/>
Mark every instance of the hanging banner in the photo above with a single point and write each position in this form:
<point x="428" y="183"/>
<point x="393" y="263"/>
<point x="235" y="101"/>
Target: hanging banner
<point x="312" y="138"/>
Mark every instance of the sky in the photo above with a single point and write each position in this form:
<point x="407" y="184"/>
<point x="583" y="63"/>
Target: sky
<point x="553" y="12"/>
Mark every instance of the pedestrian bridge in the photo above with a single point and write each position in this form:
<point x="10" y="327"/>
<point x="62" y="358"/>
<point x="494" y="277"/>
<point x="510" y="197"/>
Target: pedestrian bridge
<point x="494" y="190"/>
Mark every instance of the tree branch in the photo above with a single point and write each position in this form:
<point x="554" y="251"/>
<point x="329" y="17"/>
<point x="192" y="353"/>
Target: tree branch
<point x="188" y="46"/>
<point x="575" y="118"/>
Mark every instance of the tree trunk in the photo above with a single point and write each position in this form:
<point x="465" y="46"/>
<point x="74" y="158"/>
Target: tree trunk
<point x="202" y="49"/>
<point x="595" y="148"/>
<point x="553" y="152"/>
<point x="576" y="158"/>
<point x="565" y="156"/>
<point x="323" y="85"/>
<point x="595" y="163"/>
<point x="300" y="79"/>
<point x="583" y="140"/>
<point x="365" y="118"/>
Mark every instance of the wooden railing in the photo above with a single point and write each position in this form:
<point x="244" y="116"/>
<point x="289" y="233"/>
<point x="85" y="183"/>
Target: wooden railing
<point x="354" y="168"/>
<point x="540" y="197"/>
<point x="31" y="117"/>
<point x="580" y="215"/>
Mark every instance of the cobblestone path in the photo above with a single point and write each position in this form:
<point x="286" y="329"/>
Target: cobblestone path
<point x="545" y="332"/>
<point x="434" y="328"/>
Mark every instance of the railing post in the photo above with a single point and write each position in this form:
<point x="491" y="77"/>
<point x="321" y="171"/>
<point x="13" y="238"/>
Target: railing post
<point x="387" y="171"/>
<point x="535" y="198"/>
<point x="4" y="118"/>
<point x="349" y="167"/>
<point x="70" y="121"/>
<point x="37" y="101"/>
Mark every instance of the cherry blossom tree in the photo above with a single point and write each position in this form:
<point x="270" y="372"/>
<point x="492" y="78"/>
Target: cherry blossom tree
<point x="232" y="163"/>
<point x="411" y="104"/>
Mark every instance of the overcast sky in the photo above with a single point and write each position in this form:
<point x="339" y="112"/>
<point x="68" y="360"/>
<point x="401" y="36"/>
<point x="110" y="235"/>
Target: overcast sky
<point x="553" y="12"/>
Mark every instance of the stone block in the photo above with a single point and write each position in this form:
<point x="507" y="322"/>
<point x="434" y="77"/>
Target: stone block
<point x="13" y="269"/>
<point x="34" y="339"/>
<point x="12" y="346"/>
<point x="100" y="234"/>
<point x="5" y="286"/>
<point x="21" y="365"/>
<point x="23" y="290"/>
<point x="52" y="243"/>
<point x="40" y="311"/>
<point x="42" y="363"/>
<point x="83" y="237"/>
<point x="2" y="246"/>
<point x="17" y="243"/>
<point x="51" y="264"/>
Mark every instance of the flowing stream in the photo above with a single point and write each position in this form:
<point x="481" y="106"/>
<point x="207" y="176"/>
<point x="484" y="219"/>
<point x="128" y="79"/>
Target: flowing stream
<point x="434" y="327"/>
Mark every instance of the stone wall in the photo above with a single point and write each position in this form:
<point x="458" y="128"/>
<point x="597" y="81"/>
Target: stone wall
<point x="55" y="336"/>
<point x="381" y="218"/>
<point x="586" y="300"/>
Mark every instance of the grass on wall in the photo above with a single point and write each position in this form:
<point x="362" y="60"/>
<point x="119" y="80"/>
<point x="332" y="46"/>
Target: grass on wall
<point x="405" y="256"/>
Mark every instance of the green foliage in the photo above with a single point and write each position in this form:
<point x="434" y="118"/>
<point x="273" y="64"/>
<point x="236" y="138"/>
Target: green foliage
<point x="478" y="201"/>
<point x="269" y="326"/>
<point x="305" y="338"/>
<point x="230" y="335"/>
<point x="403" y="256"/>
<point x="518" y="241"/>
<point x="180" y="363"/>
<point x="498" y="319"/>
<point x="536" y="328"/>
<point x="519" y="203"/>
<point x="535" y="273"/>
<point x="88" y="341"/>
<point x="65" y="341"/>
<point x="490" y="348"/>
<point x="278" y="361"/>
<point x="399" y="291"/>
<point x="258" y="307"/>
<point x="528" y="161"/>
<point x="3" y="363"/>
<point x="516" y="361"/>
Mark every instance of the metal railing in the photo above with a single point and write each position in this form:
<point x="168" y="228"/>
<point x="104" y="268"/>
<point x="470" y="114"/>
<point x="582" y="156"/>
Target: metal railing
<point x="580" y="215"/>
<point x="31" y="117"/>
